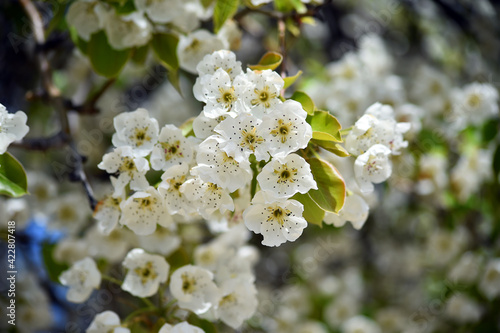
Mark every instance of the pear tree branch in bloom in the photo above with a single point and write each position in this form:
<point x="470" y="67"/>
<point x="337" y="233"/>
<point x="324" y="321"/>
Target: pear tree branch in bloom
<point x="64" y="137"/>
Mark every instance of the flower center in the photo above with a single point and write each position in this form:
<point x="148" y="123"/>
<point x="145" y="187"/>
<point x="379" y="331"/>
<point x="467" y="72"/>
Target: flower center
<point x="146" y="272"/>
<point x="171" y="149"/>
<point x="227" y="97"/>
<point x="188" y="284"/>
<point x="278" y="214"/>
<point x="250" y="139"/>
<point x="474" y="100"/>
<point x="263" y="97"/>
<point x="282" y="130"/>
<point x="285" y="174"/>
<point x="141" y="135"/>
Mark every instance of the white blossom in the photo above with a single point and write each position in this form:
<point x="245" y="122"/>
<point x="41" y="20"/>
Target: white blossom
<point x="286" y="176"/>
<point x="238" y="302"/>
<point x="490" y="279"/>
<point x="12" y="127"/>
<point x="219" y="59"/>
<point x="107" y="213"/>
<point x="193" y="48"/>
<point x="194" y="289"/>
<point x="264" y="92"/>
<point x="111" y="247"/>
<point x="142" y="211"/>
<point x="137" y="130"/>
<point x="377" y="126"/>
<point x="126" y="31"/>
<point x="278" y="220"/>
<point x="355" y="210"/>
<point x="182" y="327"/>
<point x="163" y="241"/>
<point x="241" y="137"/>
<point x="131" y="169"/>
<point x="203" y="126"/>
<point x="209" y="197"/>
<point x="474" y="103"/>
<point x="360" y="324"/>
<point x="172" y="148"/>
<point x="106" y="322"/>
<point x="172" y="180"/>
<point x="221" y="94"/>
<point x="463" y="309"/>
<point x="373" y="166"/>
<point x="285" y="129"/>
<point x="216" y="166"/>
<point x="145" y="273"/>
<point x="82" y="15"/>
<point x="81" y="278"/>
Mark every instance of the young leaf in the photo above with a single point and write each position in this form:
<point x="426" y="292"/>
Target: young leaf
<point x="105" y="60"/>
<point x="331" y="191"/>
<point x="173" y="77"/>
<point x="331" y="147"/>
<point x="325" y="127"/>
<point x="187" y="127"/>
<point x="13" y="180"/>
<point x="312" y="212"/>
<point x="224" y="10"/>
<point x="165" y="48"/>
<point x="289" y="80"/>
<point x="54" y="269"/>
<point x="270" y="60"/>
<point x="140" y="54"/>
<point x="305" y="100"/>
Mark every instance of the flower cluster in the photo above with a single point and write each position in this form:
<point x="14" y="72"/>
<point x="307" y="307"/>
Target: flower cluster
<point x="245" y="132"/>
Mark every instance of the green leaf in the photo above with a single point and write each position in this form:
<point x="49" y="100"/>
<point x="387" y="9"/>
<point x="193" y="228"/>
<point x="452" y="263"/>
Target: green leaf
<point x="81" y="44"/>
<point x="270" y="60"/>
<point x="140" y="54"/>
<point x="289" y="5"/>
<point x="305" y="100"/>
<point x="13" y="181"/>
<point x="312" y="212"/>
<point x="332" y="147"/>
<point x="490" y="130"/>
<point x="331" y="191"/>
<point x="207" y="3"/>
<point x="224" y="10"/>
<point x="187" y="127"/>
<point x="173" y="77"/>
<point x="496" y="161"/>
<point x="325" y="127"/>
<point x="289" y="80"/>
<point x="165" y="48"/>
<point x="123" y="7"/>
<point x="105" y="60"/>
<point x="53" y="268"/>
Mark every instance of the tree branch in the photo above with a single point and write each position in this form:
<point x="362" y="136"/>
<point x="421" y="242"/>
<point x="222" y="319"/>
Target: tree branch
<point x="55" y="99"/>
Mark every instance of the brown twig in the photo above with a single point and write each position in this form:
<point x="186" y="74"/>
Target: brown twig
<point x="54" y="97"/>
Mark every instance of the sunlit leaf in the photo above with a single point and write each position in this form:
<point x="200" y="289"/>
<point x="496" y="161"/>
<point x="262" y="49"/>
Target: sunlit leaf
<point x="305" y="100"/>
<point x="325" y="127"/>
<point x="13" y="181"/>
<point x="270" y="60"/>
<point x="312" y="212"/>
<point x="332" y="147"/>
<point x="331" y="191"/>
<point x="187" y="127"/>
<point x="289" y="80"/>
